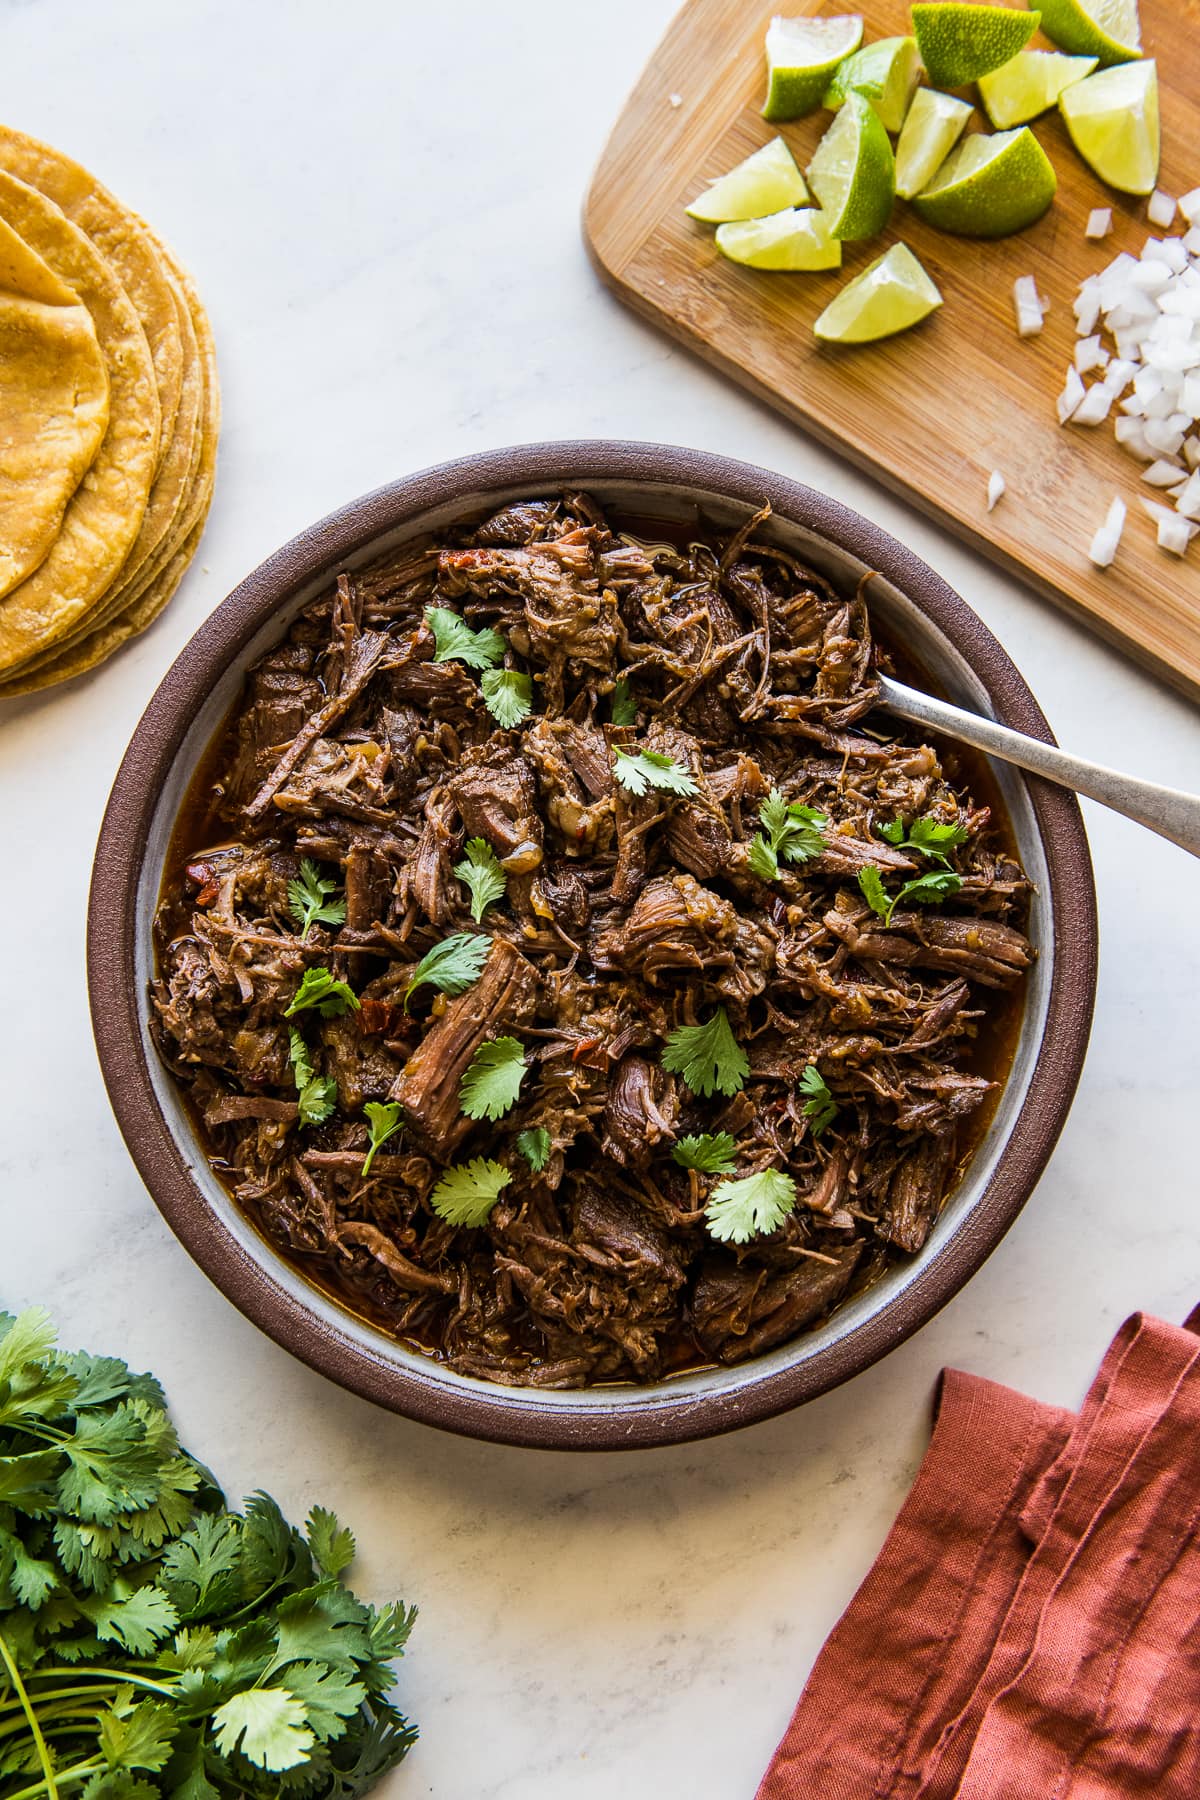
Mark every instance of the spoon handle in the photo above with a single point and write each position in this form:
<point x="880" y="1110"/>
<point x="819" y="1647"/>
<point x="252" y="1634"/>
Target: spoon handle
<point x="1169" y="811"/>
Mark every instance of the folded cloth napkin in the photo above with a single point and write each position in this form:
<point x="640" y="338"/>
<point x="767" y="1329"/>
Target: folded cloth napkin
<point x="1031" y="1628"/>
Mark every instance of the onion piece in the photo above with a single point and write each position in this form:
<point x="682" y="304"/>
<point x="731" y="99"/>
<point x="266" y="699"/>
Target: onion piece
<point x="1070" y="397"/>
<point x="1090" y="354"/>
<point x="1104" y="544"/>
<point x="1175" y="533"/>
<point x="1099" y="222"/>
<point x="1031" y="311"/>
<point x="1162" y="474"/>
<point x="1161" y="210"/>
<point x="996" y="488"/>
<point x="1095" y="406"/>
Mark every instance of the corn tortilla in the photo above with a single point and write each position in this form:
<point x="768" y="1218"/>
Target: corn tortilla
<point x="53" y="405"/>
<point x="102" y="520"/>
<point x="124" y="242"/>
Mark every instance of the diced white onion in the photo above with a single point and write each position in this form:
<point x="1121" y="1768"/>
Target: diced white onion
<point x="1104" y="544"/>
<point x="1030" y="311"/>
<point x="1148" y="306"/>
<point x="1090" y="354"/>
<point x="996" y="488"/>
<point x="1070" y="397"/>
<point x="1099" y="222"/>
<point x="1161" y="474"/>
<point x="1095" y="406"/>
<point x="1187" y="500"/>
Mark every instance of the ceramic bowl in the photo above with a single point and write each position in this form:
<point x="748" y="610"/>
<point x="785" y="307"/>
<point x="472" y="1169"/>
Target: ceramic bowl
<point x="915" y="607"/>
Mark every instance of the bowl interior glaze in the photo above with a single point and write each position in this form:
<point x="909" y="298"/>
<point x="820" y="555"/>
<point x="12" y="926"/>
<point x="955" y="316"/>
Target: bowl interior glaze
<point x="915" y="609"/>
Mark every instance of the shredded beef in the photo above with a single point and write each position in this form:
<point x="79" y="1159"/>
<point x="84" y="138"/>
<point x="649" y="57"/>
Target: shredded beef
<point x="364" y="750"/>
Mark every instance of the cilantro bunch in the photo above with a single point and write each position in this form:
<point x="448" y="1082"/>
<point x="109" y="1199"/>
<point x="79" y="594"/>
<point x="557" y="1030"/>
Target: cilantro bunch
<point x="152" y="1642"/>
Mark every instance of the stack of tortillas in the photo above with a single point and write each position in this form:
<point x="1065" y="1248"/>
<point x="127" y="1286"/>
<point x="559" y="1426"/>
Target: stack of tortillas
<point x="109" y="412"/>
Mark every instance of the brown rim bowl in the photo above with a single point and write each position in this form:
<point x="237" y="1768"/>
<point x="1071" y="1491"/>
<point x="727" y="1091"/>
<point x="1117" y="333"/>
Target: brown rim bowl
<point x="914" y="606"/>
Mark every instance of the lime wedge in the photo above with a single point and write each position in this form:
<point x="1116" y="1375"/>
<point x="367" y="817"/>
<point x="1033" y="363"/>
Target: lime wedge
<point x="934" y="125"/>
<point x="1113" y="121"/>
<point x="802" y="54"/>
<point x="959" y="42"/>
<point x="798" y="238"/>
<point x="853" y="171"/>
<point x="762" y="184"/>
<point x="990" y="186"/>
<point x="1107" y="29"/>
<point x="884" y="73"/>
<point x="1030" y="83"/>
<point x="889" y="296"/>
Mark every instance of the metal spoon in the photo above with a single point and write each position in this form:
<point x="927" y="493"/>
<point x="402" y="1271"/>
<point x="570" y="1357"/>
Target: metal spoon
<point x="1169" y="811"/>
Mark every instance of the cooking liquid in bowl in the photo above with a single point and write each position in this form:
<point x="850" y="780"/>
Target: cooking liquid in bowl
<point x="985" y="1048"/>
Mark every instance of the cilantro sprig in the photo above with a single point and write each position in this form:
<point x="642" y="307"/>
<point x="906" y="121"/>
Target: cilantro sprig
<point x="466" y="1193"/>
<point x="508" y="696"/>
<point x="326" y="993"/>
<point x="708" y="1056"/>
<point x="930" y="838"/>
<point x="480" y="870"/>
<point x="640" y="770"/>
<point x="317" y="1094"/>
<point x="929" y="889"/>
<point x="754" y="1206"/>
<point x="309" y="899"/>
<point x="167" y="1645"/>
<point x="383" y="1122"/>
<point x="712" y="1153"/>
<point x="820" y="1107"/>
<point x="493" y="1079"/>
<point x="790" y="833"/>
<point x="455" y="641"/>
<point x="452" y="966"/>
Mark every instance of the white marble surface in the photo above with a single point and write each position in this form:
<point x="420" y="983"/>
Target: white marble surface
<point x="380" y="203"/>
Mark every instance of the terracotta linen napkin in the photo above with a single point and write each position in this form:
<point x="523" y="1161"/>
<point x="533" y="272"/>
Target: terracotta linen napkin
<point x="1031" y="1628"/>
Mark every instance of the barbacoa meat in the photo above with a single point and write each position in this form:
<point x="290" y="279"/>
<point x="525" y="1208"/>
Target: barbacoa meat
<point x="625" y="916"/>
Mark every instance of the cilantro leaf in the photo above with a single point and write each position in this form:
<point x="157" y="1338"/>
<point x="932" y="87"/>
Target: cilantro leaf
<point x="325" y="1624"/>
<point x="480" y="870"/>
<point x="452" y="966"/>
<point x="930" y="889"/>
<point x="139" y="1739"/>
<point x="309" y="902"/>
<point x="508" y="696"/>
<point x="321" y="989"/>
<point x="456" y="642"/>
<point x="317" y="1094"/>
<point x="712" y="1153"/>
<point x="330" y="1697"/>
<point x="467" y="1192"/>
<point x="623" y="707"/>
<point x="929" y="837"/>
<point x="535" y="1145"/>
<point x="29" y="1579"/>
<point x="136" y="1622"/>
<point x="793" y="832"/>
<point x="493" y="1079"/>
<point x="752" y="1207"/>
<point x="640" y="770"/>
<point x="820" y="1107"/>
<point x="201" y="1569"/>
<point x="708" y="1056"/>
<point x="763" y="860"/>
<point x="267" y="1726"/>
<point x="333" y="1547"/>
<point x="870" y="882"/>
<point x="32" y="1383"/>
<point x="112" y="1465"/>
<point x="384" y="1122"/>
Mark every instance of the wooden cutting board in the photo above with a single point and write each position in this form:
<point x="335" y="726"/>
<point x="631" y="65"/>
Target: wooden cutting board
<point x="933" y="412"/>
